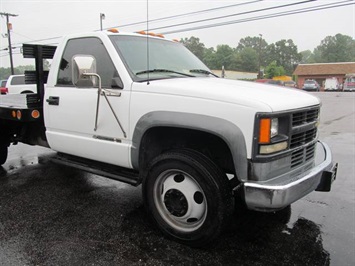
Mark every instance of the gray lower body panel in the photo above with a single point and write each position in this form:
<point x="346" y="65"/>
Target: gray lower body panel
<point x="277" y="193"/>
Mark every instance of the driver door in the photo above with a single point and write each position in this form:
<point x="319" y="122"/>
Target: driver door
<point x="72" y="109"/>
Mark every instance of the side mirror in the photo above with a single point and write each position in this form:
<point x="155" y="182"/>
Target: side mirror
<point x="82" y="64"/>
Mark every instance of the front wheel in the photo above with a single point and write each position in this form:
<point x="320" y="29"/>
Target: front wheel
<point x="188" y="197"/>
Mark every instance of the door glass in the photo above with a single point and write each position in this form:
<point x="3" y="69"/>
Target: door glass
<point x="86" y="46"/>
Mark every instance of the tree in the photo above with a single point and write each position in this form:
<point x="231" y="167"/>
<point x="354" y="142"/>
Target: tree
<point x="246" y="60"/>
<point x="252" y="42"/>
<point x="195" y="46"/>
<point x="338" y="48"/>
<point x="306" y="57"/>
<point x="258" y="44"/>
<point x="273" y="70"/>
<point x="5" y="73"/>
<point x="224" y="55"/>
<point x="285" y="53"/>
<point x="210" y="58"/>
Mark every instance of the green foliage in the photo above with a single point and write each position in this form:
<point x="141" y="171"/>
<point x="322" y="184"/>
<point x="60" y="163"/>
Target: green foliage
<point x="306" y="57"/>
<point x="6" y="72"/>
<point x="223" y="56"/>
<point x="245" y="60"/>
<point x="251" y="51"/>
<point x="285" y="53"/>
<point x="258" y="44"/>
<point x="195" y="46"/>
<point x="338" y="48"/>
<point x="255" y="43"/>
<point x="210" y="58"/>
<point x="248" y="55"/>
<point x="273" y="70"/>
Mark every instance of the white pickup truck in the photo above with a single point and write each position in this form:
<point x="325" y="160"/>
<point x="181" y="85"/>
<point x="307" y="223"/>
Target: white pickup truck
<point x="194" y="141"/>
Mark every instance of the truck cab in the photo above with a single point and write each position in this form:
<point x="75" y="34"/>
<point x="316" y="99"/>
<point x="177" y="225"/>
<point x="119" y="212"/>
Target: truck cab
<point x="144" y="110"/>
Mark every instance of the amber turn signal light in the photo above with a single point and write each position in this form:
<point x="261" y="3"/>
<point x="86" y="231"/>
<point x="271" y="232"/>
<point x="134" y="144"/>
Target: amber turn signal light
<point x="264" y="133"/>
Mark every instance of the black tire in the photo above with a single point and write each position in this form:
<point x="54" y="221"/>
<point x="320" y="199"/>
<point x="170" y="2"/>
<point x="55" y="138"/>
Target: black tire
<point x="188" y="197"/>
<point x="3" y="153"/>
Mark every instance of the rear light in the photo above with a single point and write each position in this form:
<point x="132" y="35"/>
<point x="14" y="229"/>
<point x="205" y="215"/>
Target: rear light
<point x="35" y="114"/>
<point x="19" y="115"/>
<point x="4" y="90"/>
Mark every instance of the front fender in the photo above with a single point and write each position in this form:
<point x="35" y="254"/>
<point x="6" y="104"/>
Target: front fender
<point x="227" y="131"/>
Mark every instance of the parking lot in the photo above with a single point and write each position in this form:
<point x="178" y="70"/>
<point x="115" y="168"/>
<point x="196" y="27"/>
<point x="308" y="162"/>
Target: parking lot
<point x="53" y="215"/>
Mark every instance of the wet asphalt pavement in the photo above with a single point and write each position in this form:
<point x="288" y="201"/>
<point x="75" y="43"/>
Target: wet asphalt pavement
<point x="54" y="215"/>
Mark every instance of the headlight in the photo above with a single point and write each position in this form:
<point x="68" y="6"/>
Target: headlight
<point x="267" y="149"/>
<point x="272" y="135"/>
<point x="269" y="128"/>
<point x="274" y="130"/>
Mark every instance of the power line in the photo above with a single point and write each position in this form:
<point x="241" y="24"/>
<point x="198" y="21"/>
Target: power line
<point x="8" y="54"/>
<point x="186" y="14"/>
<point x="284" y="13"/>
<point x="22" y="35"/>
<point x="159" y="19"/>
<point x="280" y="14"/>
<point x="233" y="15"/>
<point x="40" y="40"/>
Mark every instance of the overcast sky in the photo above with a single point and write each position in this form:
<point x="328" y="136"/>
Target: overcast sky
<point x="47" y="19"/>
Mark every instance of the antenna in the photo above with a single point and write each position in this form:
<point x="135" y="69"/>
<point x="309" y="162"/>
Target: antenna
<point x="147" y="43"/>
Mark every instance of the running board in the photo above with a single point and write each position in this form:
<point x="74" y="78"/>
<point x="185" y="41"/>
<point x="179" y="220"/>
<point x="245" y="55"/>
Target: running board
<point x="98" y="168"/>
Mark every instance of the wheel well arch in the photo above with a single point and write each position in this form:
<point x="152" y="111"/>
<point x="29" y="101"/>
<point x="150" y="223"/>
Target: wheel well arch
<point x="207" y="133"/>
<point x="25" y="92"/>
<point x="157" y="140"/>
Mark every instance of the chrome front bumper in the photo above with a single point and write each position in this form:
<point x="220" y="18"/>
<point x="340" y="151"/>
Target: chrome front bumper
<point x="281" y="191"/>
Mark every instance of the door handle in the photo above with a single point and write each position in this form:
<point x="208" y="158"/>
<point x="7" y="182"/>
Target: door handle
<point x="53" y="100"/>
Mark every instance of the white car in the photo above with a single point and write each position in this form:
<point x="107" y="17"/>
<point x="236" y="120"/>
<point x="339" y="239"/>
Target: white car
<point x="16" y="85"/>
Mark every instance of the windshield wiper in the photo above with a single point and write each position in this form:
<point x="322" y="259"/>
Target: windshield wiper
<point x="203" y="71"/>
<point x="163" y="70"/>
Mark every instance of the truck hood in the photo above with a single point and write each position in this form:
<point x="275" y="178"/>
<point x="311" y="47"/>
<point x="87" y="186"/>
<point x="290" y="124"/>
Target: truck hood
<point x="264" y="97"/>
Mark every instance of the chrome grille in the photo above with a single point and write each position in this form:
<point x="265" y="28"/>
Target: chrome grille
<point x="303" y="155"/>
<point x="304" y="117"/>
<point x="302" y="138"/>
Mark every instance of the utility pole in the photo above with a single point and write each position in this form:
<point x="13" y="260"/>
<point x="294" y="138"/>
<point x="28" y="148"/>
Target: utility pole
<point x="259" y="68"/>
<point x="9" y="27"/>
<point x="102" y="17"/>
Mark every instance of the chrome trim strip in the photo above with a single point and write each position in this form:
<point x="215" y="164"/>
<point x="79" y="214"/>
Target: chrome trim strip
<point x="268" y="197"/>
<point x="107" y="138"/>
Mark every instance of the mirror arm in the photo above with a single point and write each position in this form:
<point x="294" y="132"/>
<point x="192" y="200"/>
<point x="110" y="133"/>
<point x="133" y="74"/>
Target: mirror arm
<point x="114" y="113"/>
<point x="99" y="91"/>
<point x="98" y="95"/>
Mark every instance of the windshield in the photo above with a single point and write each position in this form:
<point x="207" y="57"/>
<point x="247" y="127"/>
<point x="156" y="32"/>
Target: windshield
<point x="166" y="59"/>
<point x="310" y="82"/>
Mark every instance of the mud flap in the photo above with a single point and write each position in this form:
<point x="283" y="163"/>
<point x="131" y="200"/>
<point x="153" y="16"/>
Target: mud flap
<point x="327" y="179"/>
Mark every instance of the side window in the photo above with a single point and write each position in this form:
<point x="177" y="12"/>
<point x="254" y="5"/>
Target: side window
<point x="18" y="80"/>
<point x="88" y="46"/>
